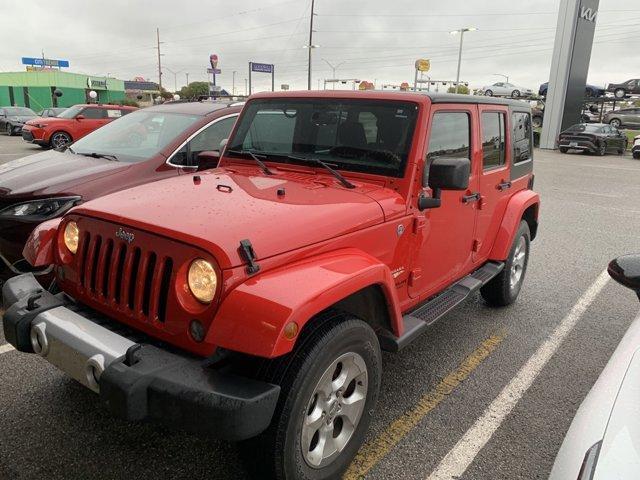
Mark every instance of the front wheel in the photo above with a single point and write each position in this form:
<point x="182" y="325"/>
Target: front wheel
<point x="60" y="140"/>
<point x="636" y="155"/>
<point x="504" y="288"/>
<point x="602" y="149"/>
<point x="329" y="389"/>
<point x="564" y="149"/>
<point x="9" y="129"/>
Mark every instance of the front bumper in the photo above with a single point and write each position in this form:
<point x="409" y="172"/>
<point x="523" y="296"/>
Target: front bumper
<point x="138" y="381"/>
<point x="34" y="135"/>
<point x="578" y="145"/>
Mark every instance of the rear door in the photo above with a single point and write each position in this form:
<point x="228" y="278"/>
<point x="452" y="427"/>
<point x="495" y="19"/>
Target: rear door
<point x="494" y="177"/>
<point x="94" y="117"/>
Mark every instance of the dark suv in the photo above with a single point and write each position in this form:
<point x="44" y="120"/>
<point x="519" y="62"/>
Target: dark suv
<point x="621" y="90"/>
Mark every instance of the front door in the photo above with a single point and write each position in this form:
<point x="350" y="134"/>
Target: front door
<point x="444" y="235"/>
<point x="495" y="183"/>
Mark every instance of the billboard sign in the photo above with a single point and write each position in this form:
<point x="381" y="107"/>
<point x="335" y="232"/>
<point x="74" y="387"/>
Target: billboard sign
<point x="213" y="60"/>
<point x="423" y="65"/>
<point x="217" y="71"/>
<point x="97" y="83"/>
<point x="45" y="62"/>
<point x="262" y="67"/>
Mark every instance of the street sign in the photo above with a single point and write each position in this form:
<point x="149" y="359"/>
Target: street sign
<point x="262" y="67"/>
<point x="45" y="62"/>
<point x="423" y="65"/>
<point x="217" y="71"/>
<point x="214" y="88"/>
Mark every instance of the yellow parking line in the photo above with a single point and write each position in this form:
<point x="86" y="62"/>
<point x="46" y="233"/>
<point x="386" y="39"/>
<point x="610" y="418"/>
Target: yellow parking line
<point x="374" y="451"/>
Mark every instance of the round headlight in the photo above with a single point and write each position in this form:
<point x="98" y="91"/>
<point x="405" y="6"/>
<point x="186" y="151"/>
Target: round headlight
<point x="202" y="280"/>
<point x="71" y="236"/>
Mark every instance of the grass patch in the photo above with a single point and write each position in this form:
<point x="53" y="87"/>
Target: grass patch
<point x="631" y="134"/>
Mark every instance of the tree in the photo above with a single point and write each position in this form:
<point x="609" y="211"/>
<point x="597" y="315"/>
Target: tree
<point x="463" y="89"/>
<point x="194" y="90"/>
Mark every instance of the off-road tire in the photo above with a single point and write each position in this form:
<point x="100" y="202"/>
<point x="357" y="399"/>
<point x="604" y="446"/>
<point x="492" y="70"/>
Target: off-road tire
<point x="563" y="149"/>
<point x="499" y="292"/>
<point x="277" y="452"/>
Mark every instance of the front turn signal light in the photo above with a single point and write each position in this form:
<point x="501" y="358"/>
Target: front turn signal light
<point x="203" y="280"/>
<point x="71" y="236"/>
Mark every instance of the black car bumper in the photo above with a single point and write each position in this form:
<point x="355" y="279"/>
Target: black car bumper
<point x="137" y="381"/>
<point x="583" y="145"/>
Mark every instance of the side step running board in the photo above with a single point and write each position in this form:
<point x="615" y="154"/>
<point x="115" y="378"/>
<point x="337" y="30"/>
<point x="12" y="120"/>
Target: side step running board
<point x="419" y="320"/>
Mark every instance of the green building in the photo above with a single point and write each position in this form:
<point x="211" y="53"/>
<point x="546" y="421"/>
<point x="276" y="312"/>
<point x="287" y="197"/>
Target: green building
<point x="34" y="89"/>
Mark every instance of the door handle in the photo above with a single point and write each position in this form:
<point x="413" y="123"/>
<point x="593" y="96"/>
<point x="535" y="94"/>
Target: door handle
<point x="474" y="197"/>
<point x="504" y="185"/>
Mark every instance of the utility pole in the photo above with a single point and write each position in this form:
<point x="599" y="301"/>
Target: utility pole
<point x="233" y="84"/>
<point x="333" y="69"/>
<point x="245" y="87"/>
<point x="310" y="46"/>
<point x="159" y="62"/>
<point x="187" y="75"/>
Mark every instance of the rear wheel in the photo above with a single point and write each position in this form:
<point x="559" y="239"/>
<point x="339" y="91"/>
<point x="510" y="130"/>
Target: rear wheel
<point x="623" y="149"/>
<point x="564" y="149"/>
<point x="515" y="94"/>
<point x="329" y="389"/>
<point x="488" y="93"/>
<point x="537" y="121"/>
<point x="620" y="93"/>
<point x="503" y="289"/>
<point x="9" y="129"/>
<point x="636" y="155"/>
<point x="615" y="122"/>
<point x="60" y="140"/>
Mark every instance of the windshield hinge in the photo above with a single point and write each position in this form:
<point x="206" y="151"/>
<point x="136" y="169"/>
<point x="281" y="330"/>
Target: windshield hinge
<point x="246" y="249"/>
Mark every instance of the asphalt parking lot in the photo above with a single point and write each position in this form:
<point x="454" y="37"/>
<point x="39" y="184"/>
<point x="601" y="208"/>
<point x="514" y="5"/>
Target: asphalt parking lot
<point x="430" y="421"/>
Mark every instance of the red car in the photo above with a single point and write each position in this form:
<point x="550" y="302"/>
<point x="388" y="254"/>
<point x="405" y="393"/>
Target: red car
<point x="253" y="300"/>
<point x="72" y="124"/>
<point x="146" y="145"/>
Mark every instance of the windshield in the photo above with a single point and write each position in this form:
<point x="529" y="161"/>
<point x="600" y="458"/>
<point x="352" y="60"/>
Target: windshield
<point x="137" y="136"/>
<point x="585" y="127"/>
<point x="20" y="111"/>
<point x="71" y="112"/>
<point x="366" y="136"/>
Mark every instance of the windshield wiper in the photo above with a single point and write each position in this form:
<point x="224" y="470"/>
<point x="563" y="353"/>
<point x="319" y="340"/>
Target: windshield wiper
<point x="113" y="158"/>
<point x="260" y="163"/>
<point x="345" y="183"/>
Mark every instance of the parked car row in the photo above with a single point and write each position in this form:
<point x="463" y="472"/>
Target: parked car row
<point x="12" y="119"/>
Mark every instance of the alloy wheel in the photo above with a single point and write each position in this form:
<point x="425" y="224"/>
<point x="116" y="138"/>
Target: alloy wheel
<point x="518" y="263"/>
<point x="334" y="410"/>
<point x="59" y="140"/>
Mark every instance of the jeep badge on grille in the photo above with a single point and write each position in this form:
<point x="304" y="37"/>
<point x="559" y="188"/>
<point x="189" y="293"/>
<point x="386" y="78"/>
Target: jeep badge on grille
<point x="124" y="235"/>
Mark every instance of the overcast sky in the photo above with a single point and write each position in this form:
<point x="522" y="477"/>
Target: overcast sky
<point x="378" y="40"/>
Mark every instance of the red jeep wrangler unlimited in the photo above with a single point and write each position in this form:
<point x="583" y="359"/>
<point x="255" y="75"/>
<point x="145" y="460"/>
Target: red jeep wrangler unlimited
<point x="253" y="300"/>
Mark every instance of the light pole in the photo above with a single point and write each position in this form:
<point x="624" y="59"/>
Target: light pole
<point x="310" y="45"/>
<point x="187" y="75"/>
<point x="233" y="83"/>
<point x="175" y="78"/>
<point x="333" y="68"/>
<point x="506" y="77"/>
<point x="461" y="32"/>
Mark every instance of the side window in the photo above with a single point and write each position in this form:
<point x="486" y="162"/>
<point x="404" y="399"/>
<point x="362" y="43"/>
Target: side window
<point x="521" y="137"/>
<point x="450" y="135"/>
<point x="93" y="113"/>
<point x="493" y="140"/>
<point x="206" y="141"/>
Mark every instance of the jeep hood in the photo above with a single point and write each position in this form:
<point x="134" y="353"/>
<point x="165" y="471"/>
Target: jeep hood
<point x="51" y="173"/>
<point x="215" y="210"/>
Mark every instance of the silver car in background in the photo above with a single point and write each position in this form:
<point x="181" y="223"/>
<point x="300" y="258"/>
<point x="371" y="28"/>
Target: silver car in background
<point x="504" y="89"/>
<point x="603" y="441"/>
<point x="623" y="118"/>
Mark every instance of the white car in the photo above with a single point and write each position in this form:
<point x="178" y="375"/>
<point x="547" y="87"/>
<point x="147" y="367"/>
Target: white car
<point x="636" y="148"/>
<point x="504" y="89"/>
<point x="604" y="438"/>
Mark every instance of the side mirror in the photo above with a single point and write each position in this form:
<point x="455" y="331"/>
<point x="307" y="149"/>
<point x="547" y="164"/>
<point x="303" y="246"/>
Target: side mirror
<point x="80" y="117"/>
<point x="223" y="143"/>
<point x="626" y="271"/>
<point x="208" y="159"/>
<point x="444" y="174"/>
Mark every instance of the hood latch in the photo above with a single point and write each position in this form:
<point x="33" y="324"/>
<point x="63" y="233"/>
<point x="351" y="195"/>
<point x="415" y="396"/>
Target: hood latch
<point x="246" y="250"/>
